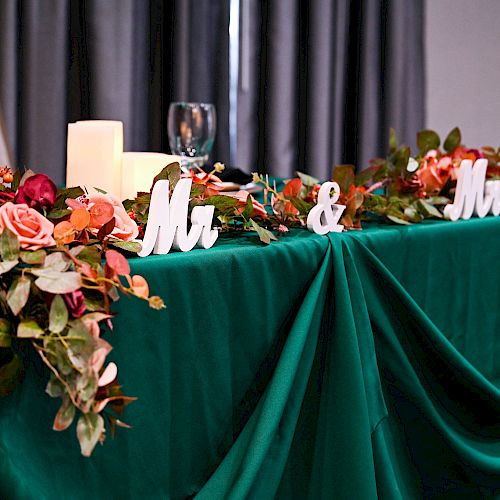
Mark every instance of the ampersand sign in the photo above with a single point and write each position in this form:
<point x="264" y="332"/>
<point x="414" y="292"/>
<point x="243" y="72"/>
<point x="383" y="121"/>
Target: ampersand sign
<point x="324" y="216"/>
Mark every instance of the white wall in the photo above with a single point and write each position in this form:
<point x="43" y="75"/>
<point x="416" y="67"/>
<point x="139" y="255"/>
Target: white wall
<point x="462" y="42"/>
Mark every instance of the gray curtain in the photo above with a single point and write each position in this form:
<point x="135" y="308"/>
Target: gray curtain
<point x="67" y="60"/>
<point x="322" y="81"/>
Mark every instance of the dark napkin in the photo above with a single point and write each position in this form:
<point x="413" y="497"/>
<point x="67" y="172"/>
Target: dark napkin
<point x="231" y="174"/>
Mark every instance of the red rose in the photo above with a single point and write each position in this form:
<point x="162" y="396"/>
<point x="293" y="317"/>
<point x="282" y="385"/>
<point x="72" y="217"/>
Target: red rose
<point x="38" y="192"/>
<point x="75" y="303"/>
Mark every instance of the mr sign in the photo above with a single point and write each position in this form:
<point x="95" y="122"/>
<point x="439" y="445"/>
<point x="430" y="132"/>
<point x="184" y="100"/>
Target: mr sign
<point x="167" y="221"/>
<point x="473" y="194"/>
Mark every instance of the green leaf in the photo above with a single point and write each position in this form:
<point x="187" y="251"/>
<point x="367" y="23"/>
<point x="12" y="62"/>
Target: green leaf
<point x="129" y="246"/>
<point x="7" y="265"/>
<point x="11" y="374"/>
<point x="88" y="431"/>
<point x="9" y="245"/>
<point x="91" y="255"/>
<point x="264" y="235"/>
<point x="58" y="315"/>
<point x="57" y="282"/>
<point x="18" y="294"/>
<point x="65" y="415"/>
<point x="33" y="258"/>
<point x="453" y="139"/>
<point x="427" y="140"/>
<point x="58" y="213"/>
<point x="5" y="336"/>
<point x="367" y="175"/>
<point x="302" y="206"/>
<point x="393" y="141"/>
<point x="343" y="175"/>
<point x="428" y="210"/>
<point x="56" y="261"/>
<point x="172" y="173"/>
<point x="400" y="159"/>
<point x="247" y="213"/>
<point x="398" y="220"/>
<point x="64" y="194"/>
<point x="221" y="202"/>
<point x="54" y="387"/>
<point x="28" y="329"/>
<point x="307" y="180"/>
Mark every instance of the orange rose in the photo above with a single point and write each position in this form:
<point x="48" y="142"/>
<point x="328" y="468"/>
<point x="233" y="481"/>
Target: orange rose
<point x="125" y="228"/>
<point x="31" y="227"/>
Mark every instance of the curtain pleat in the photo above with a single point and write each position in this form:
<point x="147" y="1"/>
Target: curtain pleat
<point x="331" y="76"/>
<point x="320" y="81"/>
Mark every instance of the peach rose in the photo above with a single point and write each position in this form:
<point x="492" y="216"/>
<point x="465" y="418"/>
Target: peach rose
<point x="31" y="227"/>
<point x="125" y="228"/>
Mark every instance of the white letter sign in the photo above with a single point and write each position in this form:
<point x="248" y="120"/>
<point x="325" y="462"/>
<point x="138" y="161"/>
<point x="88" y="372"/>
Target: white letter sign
<point x="470" y="194"/>
<point x="324" y="216"/>
<point x="167" y="221"/>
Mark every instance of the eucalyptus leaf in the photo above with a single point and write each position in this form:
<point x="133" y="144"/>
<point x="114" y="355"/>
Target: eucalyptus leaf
<point x="65" y="415"/>
<point x="9" y="245"/>
<point x="428" y="210"/>
<point x="54" y="387"/>
<point x="247" y="213"/>
<point x="172" y="173"/>
<point x="343" y="175"/>
<point x="7" y="265"/>
<point x="307" y="180"/>
<point x="88" y="431"/>
<point x="58" y="315"/>
<point x="56" y="261"/>
<point x="18" y="294"/>
<point x="398" y="220"/>
<point x="221" y="202"/>
<point x="34" y="258"/>
<point x="129" y="246"/>
<point x="57" y="282"/>
<point x="29" y="329"/>
<point x="264" y="235"/>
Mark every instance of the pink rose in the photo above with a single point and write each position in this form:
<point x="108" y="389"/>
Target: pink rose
<point x="31" y="227"/>
<point x="125" y="228"/>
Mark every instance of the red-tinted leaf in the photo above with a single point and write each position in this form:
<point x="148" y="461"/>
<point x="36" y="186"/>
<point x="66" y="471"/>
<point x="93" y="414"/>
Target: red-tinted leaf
<point x="292" y="188"/>
<point x="117" y="262"/>
<point x="106" y="229"/>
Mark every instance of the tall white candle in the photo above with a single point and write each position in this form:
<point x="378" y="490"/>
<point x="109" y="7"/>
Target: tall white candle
<point x="95" y="149"/>
<point x="139" y="169"/>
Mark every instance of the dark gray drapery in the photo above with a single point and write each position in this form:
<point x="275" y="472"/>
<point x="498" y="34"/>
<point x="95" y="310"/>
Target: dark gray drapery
<point x="320" y="81"/>
<point x="68" y="60"/>
<point x="328" y="78"/>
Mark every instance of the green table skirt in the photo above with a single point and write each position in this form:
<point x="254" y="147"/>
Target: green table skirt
<point x="357" y="365"/>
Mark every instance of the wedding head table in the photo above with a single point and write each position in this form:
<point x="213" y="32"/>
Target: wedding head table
<point x="356" y="365"/>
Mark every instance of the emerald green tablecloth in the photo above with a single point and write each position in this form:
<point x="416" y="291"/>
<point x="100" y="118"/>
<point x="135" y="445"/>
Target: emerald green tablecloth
<point x="354" y="366"/>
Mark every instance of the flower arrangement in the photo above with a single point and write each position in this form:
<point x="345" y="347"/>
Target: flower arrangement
<point x="59" y="275"/>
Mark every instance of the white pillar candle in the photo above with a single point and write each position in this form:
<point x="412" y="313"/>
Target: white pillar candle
<point x="95" y="149"/>
<point x="139" y="169"/>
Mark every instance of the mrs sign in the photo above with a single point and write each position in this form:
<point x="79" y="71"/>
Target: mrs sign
<point x="473" y="195"/>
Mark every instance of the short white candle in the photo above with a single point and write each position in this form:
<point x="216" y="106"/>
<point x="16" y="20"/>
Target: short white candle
<point x="139" y="169"/>
<point x="95" y="149"/>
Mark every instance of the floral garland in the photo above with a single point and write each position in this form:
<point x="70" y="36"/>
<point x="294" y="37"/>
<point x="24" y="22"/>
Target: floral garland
<point x="57" y="283"/>
<point x="61" y="264"/>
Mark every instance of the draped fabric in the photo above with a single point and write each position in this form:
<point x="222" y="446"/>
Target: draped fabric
<point x="320" y="82"/>
<point x="357" y="365"/>
<point x="327" y="79"/>
<point x="126" y="60"/>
